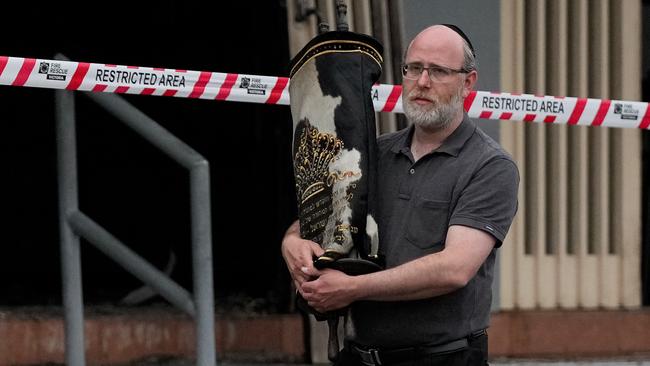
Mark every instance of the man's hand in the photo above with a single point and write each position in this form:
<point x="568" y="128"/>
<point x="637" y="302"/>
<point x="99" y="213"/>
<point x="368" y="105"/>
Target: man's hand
<point x="299" y="253"/>
<point x="330" y="290"/>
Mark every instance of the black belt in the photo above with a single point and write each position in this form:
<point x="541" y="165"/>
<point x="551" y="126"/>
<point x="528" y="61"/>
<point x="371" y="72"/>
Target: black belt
<point x="377" y="357"/>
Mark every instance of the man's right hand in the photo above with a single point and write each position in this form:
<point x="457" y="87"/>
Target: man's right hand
<point x="299" y="254"/>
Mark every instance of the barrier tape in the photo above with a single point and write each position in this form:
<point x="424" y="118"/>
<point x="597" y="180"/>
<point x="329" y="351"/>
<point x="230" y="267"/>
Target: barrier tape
<point x="83" y="76"/>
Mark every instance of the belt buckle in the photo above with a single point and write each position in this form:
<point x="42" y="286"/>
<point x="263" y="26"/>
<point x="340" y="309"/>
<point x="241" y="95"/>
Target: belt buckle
<point x="374" y="353"/>
<point x="369" y="357"/>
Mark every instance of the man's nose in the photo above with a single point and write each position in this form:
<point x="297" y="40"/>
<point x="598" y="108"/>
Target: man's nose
<point x="424" y="81"/>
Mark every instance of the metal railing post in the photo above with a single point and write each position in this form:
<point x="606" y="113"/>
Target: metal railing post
<point x="202" y="262"/>
<point x="70" y="251"/>
<point x="132" y="262"/>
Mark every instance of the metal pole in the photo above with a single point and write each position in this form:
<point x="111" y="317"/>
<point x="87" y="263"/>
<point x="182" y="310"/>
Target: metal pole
<point x="70" y="252"/>
<point x="202" y="263"/>
<point x="132" y="262"/>
<point x="149" y="129"/>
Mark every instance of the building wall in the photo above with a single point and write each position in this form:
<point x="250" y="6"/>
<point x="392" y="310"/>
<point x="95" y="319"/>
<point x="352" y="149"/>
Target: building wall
<point x="576" y="240"/>
<point x="645" y="42"/>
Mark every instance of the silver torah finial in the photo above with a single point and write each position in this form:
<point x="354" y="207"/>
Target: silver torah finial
<point x="341" y="16"/>
<point x="323" y="27"/>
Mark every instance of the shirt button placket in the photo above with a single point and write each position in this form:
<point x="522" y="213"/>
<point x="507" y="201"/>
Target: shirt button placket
<point x="412" y="171"/>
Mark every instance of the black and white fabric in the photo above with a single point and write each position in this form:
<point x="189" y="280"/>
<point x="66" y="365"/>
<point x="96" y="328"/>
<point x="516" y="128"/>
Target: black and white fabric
<point x="334" y="144"/>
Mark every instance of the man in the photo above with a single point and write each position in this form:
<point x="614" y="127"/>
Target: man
<point x="447" y="197"/>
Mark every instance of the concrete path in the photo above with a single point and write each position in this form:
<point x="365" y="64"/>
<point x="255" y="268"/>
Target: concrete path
<point x="493" y="363"/>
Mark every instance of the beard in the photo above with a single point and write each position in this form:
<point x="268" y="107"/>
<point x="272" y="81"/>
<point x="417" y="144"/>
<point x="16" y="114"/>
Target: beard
<point x="434" y="117"/>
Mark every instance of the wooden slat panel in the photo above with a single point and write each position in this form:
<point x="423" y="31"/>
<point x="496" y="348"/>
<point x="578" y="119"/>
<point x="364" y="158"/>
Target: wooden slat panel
<point x="511" y="138"/>
<point x="625" y="226"/>
<point x="599" y="155"/>
<point x="599" y="211"/>
<point x="300" y="33"/>
<point x="525" y="289"/>
<point x="524" y="278"/>
<point x="362" y="16"/>
<point x="545" y="272"/>
<point x="628" y="219"/>
<point x="587" y="290"/>
<point x="557" y="146"/>
<point x="506" y="137"/>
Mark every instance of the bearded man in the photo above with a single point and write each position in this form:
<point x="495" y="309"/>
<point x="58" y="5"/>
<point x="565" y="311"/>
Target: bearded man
<point x="447" y="197"/>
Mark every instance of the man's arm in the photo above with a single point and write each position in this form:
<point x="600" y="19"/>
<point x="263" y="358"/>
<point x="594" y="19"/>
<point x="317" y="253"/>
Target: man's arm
<point x="299" y="253"/>
<point x="436" y="274"/>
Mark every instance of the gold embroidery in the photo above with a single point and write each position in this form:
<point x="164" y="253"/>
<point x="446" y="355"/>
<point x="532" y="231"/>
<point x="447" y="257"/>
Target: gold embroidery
<point x="316" y="150"/>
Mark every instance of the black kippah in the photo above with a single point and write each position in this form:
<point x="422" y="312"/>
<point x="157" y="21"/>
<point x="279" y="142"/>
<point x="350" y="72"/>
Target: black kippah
<point x="462" y="34"/>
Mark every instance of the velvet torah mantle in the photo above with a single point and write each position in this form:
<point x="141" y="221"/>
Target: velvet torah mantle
<point x="334" y="147"/>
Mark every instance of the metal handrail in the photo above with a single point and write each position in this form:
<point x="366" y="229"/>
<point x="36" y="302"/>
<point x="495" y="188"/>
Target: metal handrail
<point x="73" y="224"/>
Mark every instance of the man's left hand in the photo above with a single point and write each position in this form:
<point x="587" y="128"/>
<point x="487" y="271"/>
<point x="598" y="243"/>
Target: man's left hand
<point x="331" y="290"/>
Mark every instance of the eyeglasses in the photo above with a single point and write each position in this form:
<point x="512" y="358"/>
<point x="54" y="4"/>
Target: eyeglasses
<point x="436" y="73"/>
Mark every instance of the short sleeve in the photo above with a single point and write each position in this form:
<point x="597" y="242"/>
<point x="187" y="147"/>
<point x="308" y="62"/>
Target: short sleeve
<point x="489" y="201"/>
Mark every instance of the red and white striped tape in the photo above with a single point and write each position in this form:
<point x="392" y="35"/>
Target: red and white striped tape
<point x="559" y="110"/>
<point x="55" y="74"/>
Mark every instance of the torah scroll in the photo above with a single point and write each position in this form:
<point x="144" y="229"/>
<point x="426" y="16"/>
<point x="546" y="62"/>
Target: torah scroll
<point x="334" y="146"/>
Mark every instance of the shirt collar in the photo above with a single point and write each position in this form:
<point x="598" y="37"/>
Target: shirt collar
<point x="452" y="144"/>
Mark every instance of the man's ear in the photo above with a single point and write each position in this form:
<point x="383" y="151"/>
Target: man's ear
<point x="470" y="81"/>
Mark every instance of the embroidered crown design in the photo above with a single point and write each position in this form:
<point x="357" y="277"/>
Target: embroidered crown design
<point x="316" y="150"/>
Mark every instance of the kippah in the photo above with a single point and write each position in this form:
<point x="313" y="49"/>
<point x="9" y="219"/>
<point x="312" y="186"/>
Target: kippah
<point x="462" y="34"/>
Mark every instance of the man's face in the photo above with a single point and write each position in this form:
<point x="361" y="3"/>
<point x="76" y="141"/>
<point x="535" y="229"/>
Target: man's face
<point x="433" y="109"/>
<point x="433" y="104"/>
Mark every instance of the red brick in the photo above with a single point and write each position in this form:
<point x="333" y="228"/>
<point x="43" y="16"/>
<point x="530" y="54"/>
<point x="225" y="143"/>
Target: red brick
<point x="32" y="338"/>
<point x="563" y="334"/>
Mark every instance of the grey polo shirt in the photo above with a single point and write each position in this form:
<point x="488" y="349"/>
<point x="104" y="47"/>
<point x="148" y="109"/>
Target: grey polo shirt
<point x="469" y="180"/>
